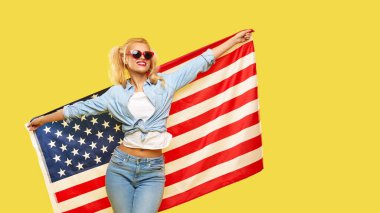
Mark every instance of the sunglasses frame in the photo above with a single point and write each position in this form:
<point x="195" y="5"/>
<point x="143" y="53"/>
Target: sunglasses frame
<point x="140" y="53"/>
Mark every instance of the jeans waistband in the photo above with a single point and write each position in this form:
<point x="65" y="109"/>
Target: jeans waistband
<point x="136" y="158"/>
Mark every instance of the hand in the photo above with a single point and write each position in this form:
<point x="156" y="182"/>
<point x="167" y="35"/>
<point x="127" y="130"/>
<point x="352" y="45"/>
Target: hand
<point x="35" y="123"/>
<point x="242" y="36"/>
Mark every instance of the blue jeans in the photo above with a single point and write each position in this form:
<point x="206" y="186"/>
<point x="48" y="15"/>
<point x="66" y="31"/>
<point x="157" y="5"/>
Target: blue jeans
<point x="135" y="184"/>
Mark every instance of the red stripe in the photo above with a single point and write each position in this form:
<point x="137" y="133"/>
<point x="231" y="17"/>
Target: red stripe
<point x="214" y="160"/>
<point x="80" y="189"/>
<point x="92" y="207"/>
<point x="212" y="185"/>
<point x="212" y="137"/>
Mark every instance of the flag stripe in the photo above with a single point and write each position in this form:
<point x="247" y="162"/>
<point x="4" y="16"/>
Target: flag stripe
<point x="92" y="206"/>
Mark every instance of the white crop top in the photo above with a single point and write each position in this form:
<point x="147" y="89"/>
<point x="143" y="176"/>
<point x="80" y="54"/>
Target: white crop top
<point x="140" y="107"/>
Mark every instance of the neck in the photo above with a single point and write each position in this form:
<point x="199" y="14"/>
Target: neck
<point x="138" y="80"/>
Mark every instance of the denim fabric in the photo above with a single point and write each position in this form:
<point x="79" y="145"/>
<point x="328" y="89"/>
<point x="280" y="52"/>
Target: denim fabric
<point x="135" y="184"/>
<point x="115" y="99"/>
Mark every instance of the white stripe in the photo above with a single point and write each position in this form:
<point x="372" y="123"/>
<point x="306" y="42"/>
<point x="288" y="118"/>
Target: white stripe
<point x="80" y="178"/>
<point x="213" y="172"/>
<point x="213" y="125"/>
<point x="83" y="199"/>
<point x="215" y="77"/>
<point x="211" y="149"/>
<point x="213" y="102"/>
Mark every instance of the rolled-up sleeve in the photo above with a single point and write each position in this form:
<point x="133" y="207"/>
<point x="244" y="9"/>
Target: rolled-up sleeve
<point x="92" y="106"/>
<point x="189" y="71"/>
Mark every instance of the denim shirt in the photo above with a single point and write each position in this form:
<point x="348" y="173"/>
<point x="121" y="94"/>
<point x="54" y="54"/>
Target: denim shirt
<point x="115" y="99"/>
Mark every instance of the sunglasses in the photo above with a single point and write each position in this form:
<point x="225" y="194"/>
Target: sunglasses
<point x="137" y="54"/>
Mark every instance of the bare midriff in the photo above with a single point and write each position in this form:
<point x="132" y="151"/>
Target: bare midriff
<point x="139" y="152"/>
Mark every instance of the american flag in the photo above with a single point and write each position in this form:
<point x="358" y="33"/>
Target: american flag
<point x="216" y="140"/>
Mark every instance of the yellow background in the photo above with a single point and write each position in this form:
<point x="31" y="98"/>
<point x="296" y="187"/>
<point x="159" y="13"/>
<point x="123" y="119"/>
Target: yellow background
<point x="318" y="74"/>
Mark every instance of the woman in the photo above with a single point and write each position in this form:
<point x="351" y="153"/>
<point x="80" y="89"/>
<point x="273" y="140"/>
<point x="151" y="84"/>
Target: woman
<point x="135" y="176"/>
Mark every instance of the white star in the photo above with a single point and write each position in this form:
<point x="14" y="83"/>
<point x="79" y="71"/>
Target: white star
<point x="83" y="118"/>
<point x="94" y="96"/>
<point x="47" y="129"/>
<point x="61" y="172"/>
<point x="81" y="141"/>
<point x="70" y="137"/>
<point x="86" y="155"/>
<point x="68" y="162"/>
<point x="94" y="121"/>
<point x="93" y="145"/>
<point x="57" y="158"/>
<point x="104" y="149"/>
<point x="88" y="131"/>
<point x="110" y="115"/>
<point x="106" y="124"/>
<point x="64" y="123"/>
<point x="79" y="166"/>
<point x="51" y="144"/>
<point x="110" y="139"/>
<point x="99" y="134"/>
<point x="117" y="128"/>
<point x="58" y="133"/>
<point x="75" y="151"/>
<point x="120" y="141"/>
<point x="76" y="127"/>
<point x="98" y="159"/>
<point x="63" y="147"/>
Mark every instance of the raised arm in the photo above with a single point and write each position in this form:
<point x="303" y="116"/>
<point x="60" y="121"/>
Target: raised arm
<point x="189" y="71"/>
<point x="239" y="37"/>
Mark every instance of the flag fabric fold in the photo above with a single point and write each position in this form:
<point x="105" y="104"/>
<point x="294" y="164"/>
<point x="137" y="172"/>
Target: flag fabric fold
<point x="216" y="140"/>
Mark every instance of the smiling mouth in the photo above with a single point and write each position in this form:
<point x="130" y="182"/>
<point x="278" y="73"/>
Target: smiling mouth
<point x="141" y="63"/>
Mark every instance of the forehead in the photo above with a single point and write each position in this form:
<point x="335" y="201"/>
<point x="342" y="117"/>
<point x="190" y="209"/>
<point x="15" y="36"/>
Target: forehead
<point x="138" y="46"/>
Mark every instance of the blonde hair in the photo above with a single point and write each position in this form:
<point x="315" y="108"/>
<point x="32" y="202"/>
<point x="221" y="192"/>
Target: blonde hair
<point x="118" y="73"/>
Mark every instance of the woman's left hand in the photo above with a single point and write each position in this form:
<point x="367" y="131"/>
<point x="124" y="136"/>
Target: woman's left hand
<point x="242" y="36"/>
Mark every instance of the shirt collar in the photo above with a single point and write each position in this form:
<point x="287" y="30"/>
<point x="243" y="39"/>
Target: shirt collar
<point x="129" y="85"/>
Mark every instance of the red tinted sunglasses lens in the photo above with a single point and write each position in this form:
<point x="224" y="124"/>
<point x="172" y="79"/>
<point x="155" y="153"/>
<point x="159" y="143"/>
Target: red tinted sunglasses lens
<point x="137" y="54"/>
<point x="148" y="54"/>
